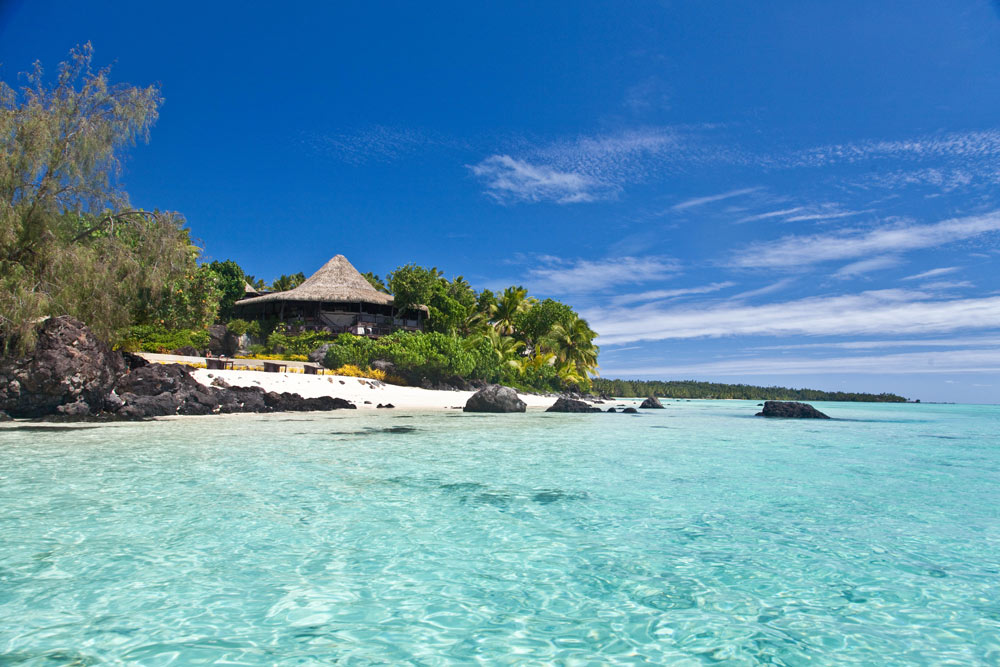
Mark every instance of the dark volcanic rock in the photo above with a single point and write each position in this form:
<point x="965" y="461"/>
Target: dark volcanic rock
<point x="571" y="405"/>
<point x="221" y="341"/>
<point x="69" y="365"/>
<point x="611" y="410"/>
<point x="791" y="410"/>
<point x="630" y="411"/>
<point x="169" y="389"/>
<point x="72" y="375"/>
<point x="652" y="402"/>
<point x="133" y="361"/>
<point x="186" y="351"/>
<point x="495" y="398"/>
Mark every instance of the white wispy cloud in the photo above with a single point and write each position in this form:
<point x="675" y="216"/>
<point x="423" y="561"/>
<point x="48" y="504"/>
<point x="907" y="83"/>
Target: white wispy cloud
<point x="824" y="215"/>
<point x="950" y="361"/>
<point x="961" y="341"/>
<point x="867" y="266"/>
<point x="559" y="276"/>
<point x="659" y="295"/>
<point x="511" y="180"/>
<point x="699" y="201"/>
<point x="964" y="145"/>
<point x="772" y="214"/>
<point x="946" y="284"/>
<point x="797" y="251"/>
<point x="897" y="312"/>
<point x="606" y="163"/>
<point x="766" y="289"/>
<point x="933" y="273"/>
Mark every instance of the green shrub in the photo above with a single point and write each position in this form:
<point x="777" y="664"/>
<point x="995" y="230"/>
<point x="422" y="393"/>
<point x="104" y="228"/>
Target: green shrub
<point x="349" y="349"/>
<point x="156" y="338"/>
<point x="434" y="356"/>
<point x="303" y="343"/>
<point x="238" y="327"/>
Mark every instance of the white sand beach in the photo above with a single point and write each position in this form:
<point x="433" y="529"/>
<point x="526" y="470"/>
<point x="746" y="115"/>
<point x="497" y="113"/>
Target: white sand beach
<point x="362" y="392"/>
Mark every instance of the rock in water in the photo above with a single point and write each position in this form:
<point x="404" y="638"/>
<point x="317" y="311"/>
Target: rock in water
<point x="790" y="410"/>
<point x="571" y="405"/>
<point x="495" y="398"/>
<point x="630" y="411"/>
<point x="652" y="402"/>
<point x="69" y="365"/>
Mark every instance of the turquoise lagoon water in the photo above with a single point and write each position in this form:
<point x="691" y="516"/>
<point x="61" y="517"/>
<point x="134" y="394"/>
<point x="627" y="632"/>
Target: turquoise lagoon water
<point x="693" y="535"/>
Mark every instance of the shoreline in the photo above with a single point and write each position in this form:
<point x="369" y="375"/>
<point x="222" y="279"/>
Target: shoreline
<point x="354" y="389"/>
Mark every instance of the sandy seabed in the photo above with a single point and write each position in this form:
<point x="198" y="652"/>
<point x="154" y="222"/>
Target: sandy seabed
<point x="353" y="389"/>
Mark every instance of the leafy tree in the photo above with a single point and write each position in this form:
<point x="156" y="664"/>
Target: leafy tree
<point x="70" y="243"/>
<point x="536" y="322"/>
<point x="412" y="285"/>
<point x="231" y="282"/>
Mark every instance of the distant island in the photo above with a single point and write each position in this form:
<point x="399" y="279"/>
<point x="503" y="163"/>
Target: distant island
<point x="696" y="389"/>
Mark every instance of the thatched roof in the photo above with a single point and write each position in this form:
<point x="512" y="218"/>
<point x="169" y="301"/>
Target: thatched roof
<point x="337" y="280"/>
<point x="249" y="289"/>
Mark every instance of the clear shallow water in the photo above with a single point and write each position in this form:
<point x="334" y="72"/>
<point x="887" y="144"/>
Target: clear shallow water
<point x="692" y="535"/>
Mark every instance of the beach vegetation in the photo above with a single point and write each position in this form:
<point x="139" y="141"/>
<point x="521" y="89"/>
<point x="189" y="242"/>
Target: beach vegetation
<point x="157" y="338"/>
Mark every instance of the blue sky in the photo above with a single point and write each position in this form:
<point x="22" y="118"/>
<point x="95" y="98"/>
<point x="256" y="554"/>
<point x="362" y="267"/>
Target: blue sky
<point x="799" y="193"/>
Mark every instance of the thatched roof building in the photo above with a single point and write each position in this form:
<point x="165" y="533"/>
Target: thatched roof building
<point x="335" y="298"/>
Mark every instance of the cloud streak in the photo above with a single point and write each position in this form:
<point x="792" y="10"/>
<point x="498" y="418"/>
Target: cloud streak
<point x="699" y="201"/>
<point x="952" y="361"/>
<point x="581" y="276"/>
<point x="896" y="312"/>
<point x="798" y="251"/>
<point x="656" y="295"/>
<point x="511" y="180"/>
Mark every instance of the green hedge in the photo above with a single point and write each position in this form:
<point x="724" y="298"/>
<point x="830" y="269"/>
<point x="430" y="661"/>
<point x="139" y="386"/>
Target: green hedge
<point x="155" y="338"/>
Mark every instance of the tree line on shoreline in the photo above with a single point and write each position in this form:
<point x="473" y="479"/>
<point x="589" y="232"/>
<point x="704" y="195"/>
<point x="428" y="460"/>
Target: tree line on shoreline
<point x="697" y="389"/>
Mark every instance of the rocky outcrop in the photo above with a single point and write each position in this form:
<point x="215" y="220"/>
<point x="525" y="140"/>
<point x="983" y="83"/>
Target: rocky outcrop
<point x="790" y="410"/>
<point x="652" y="402"/>
<point x="630" y="411"/>
<point x="168" y="389"/>
<point x="495" y="398"/>
<point x="72" y="374"/>
<point x="571" y="405"/>
<point x="221" y="341"/>
<point x="68" y="367"/>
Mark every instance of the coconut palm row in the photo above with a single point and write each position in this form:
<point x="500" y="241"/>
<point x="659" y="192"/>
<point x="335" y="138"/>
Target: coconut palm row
<point x="568" y="345"/>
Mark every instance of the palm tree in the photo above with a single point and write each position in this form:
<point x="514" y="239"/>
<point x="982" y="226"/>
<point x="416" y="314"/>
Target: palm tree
<point x="510" y="304"/>
<point x="573" y="344"/>
<point x="284" y="283"/>
<point x="506" y="348"/>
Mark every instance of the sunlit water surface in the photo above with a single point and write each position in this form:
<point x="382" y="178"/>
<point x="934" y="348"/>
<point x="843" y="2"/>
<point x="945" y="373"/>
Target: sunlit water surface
<point x="691" y="535"/>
